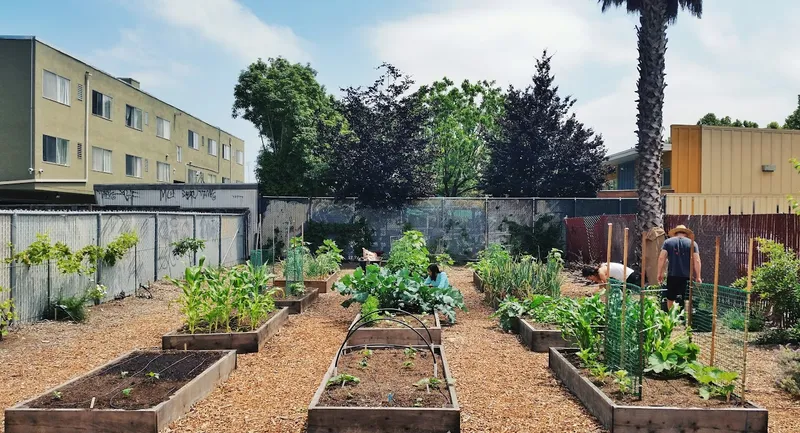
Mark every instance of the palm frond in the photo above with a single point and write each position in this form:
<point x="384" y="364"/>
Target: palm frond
<point x="695" y="7"/>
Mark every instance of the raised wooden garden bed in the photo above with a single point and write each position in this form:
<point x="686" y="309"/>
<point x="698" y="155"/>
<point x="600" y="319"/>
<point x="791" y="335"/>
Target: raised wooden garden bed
<point x="323" y="286"/>
<point x="619" y="418"/>
<point x="126" y="397"/>
<point x="298" y="304"/>
<point x="391" y="333"/>
<point x="366" y="406"/>
<point x="539" y="340"/>
<point x="241" y="342"/>
<point x="477" y="281"/>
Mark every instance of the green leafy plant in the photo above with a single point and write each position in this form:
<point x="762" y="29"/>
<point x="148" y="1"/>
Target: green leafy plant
<point x="153" y="375"/>
<point x="713" y="381"/>
<point x="418" y="402"/>
<point x="296" y="289"/>
<point x="599" y="372"/>
<point x="444" y="260"/>
<point x="71" y="308"/>
<point x="123" y="374"/>
<point x="410" y="252"/>
<point x="328" y="259"/>
<point x="734" y="319"/>
<point x="410" y="352"/>
<point x="363" y="363"/>
<point x="789" y="364"/>
<point x="97" y="293"/>
<point x="368" y="307"/>
<point x="780" y="336"/>
<point x="366" y="353"/>
<point x="777" y="281"/>
<point x="523" y="277"/>
<point x="57" y="395"/>
<point x="399" y="290"/>
<point x="579" y="320"/>
<point x="494" y="253"/>
<point x="127" y="392"/>
<point x="537" y="308"/>
<point x="428" y="383"/>
<point x="342" y="379"/>
<point x="671" y="356"/>
<point x="7" y="314"/>
<point x="183" y="247"/>
<point x="408" y="364"/>
<point x="623" y="381"/>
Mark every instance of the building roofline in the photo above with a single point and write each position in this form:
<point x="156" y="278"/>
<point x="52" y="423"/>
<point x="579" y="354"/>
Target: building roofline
<point x="629" y="153"/>
<point x="175" y="186"/>
<point x="117" y="79"/>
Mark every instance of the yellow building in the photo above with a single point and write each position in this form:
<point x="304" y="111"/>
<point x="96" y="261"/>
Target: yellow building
<point x="722" y="170"/>
<point x="66" y="125"/>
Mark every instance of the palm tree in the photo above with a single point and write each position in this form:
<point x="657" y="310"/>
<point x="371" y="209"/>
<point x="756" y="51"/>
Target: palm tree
<point x="654" y="17"/>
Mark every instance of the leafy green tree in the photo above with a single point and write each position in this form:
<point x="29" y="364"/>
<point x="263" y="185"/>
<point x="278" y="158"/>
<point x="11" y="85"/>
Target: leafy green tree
<point x="793" y="121"/>
<point x="774" y="125"/>
<point x="461" y="119"/>
<point x="541" y="149"/>
<point x="288" y="106"/>
<point x="390" y="158"/>
<point x="654" y="17"/>
<point x="711" y="119"/>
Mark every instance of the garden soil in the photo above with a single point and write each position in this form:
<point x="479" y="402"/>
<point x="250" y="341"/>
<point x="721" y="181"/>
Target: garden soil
<point x="501" y="386"/>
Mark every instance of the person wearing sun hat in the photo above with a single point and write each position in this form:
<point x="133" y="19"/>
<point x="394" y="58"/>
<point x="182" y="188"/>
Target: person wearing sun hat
<point x="677" y="250"/>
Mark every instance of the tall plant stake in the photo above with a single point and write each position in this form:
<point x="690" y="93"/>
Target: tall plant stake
<point x="624" y="301"/>
<point x="747" y="318"/>
<point x="714" y="305"/>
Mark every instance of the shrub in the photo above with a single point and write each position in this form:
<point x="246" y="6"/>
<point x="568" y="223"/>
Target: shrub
<point x="183" y="247"/>
<point x="72" y="308"/>
<point x="328" y="260"/>
<point x="544" y="236"/>
<point x="7" y="315"/>
<point x="780" y="336"/>
<point x="370" y="305"/>
<point x="409" y="252"/>
<point x="494" y="253"/>
<point x="777" y="281"/>
<point x="734" y="319"/>
<point x="789" y="363"/>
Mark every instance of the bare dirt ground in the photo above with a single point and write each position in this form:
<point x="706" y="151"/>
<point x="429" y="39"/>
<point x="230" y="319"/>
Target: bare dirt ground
<point x="500" y="385"/>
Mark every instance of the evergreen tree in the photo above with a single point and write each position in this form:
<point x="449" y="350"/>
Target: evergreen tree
<point x="541" y="149"/>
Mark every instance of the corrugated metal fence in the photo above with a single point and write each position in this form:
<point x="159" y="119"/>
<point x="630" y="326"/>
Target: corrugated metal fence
<point x="33" y="287"/>
<point x="461" y="226"/>
<point x="586" y="238"/>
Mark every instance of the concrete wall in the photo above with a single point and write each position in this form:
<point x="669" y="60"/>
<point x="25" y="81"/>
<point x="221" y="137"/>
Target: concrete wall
<point x="32" y="287"/>
<point x="15" y="108"/>
<point x="68" y="121"/>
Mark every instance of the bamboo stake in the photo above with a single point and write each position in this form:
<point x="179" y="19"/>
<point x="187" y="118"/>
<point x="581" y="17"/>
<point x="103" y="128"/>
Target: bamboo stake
<point x="689" y="315"/>
<point x="641" y="315"/>
<point x="624" y="299"/>
<point x="747" y="318"/>
<point x="714" y="308"/>
<point x="608" y="261"/>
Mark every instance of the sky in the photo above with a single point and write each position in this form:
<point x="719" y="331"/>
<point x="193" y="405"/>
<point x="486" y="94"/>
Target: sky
<point x="741" y="59"/>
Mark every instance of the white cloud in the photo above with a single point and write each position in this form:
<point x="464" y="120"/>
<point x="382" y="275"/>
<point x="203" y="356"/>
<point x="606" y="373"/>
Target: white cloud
<point x="231" y="26"/>
<point x="746" y="69"/>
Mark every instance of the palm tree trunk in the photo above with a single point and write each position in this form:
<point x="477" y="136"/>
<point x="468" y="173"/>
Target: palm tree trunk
<point x="652" y="44"/>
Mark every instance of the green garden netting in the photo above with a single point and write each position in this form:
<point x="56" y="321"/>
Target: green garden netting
<point x="293" y="268"/>
<point x="621" y="344"/>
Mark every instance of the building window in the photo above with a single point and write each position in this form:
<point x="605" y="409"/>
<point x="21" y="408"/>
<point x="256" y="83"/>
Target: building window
<point x="211" y="178"/>
<point x="226" y="151"/>
<point x="212" y="147"/>
<point x="55" y="87"/>
<point x="162" y="128"/>
<point x="101" y="105"/>
<point x="194" y="176"/>
<point x="194" y="140"/>
<point x="101" y="159"/>
<point x="55" y="150"/>
<point x="163" y="171"/>
<point x="133" y="117"/>
<point x="226" y="179"/>
<point x="626" y="176"/>
<point x="240" y="157"/>
<point x="666" y="178"/>
<point x="179" y="153"/>
<point x="146" y="118"/>
<point x="133" y="166"/>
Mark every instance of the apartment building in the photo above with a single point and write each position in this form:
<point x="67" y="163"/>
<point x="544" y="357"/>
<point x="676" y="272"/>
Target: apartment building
<point x="66" y="126"/>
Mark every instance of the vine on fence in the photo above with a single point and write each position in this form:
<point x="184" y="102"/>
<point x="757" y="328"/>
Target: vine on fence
<point x="182" y="247"/>
<point x="83" y="261"/>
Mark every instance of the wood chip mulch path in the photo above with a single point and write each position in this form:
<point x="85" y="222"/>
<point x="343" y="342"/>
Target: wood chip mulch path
<point x="501" y="386"/>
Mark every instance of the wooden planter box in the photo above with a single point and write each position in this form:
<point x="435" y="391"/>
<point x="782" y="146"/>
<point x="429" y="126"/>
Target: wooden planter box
<point x="297" y="306"/>
<point x="476" y="279"/>
<point x="539" y="340"/>
<point x="23" y="419"/>
<point x="653" y="419"/>
<point x="323" y="286"/>
<point x="400" y="336"/>
<point x="328" y="419"/>
<point x="241" y="342"/>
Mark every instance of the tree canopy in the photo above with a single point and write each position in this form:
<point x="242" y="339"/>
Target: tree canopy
<point x="541" y="149"/>
<point x="462" y="117"/>
<point x="711" y="119"/>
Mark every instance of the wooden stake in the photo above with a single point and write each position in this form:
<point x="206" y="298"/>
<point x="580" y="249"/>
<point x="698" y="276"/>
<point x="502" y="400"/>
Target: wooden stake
<point x="691" y="282"/>
<point x="91" y="405"/>
<point x="644" y="259"/>
<point x="714" y="305"/>
<point x="747" y="317"/>
<point x="608" y="261"/>
<point x="624" y="301"/>
<point x="641" y="315"/>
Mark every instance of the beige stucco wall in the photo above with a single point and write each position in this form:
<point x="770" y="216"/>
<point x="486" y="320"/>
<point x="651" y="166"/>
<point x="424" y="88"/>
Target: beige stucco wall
<point x="732" y="160"/>
<point x="15" y="102"/>
<point x="723" y="204"/>
<point x="68" y="122"/>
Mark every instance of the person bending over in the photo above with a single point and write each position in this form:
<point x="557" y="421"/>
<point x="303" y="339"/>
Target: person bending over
<point x="436" y="278"/>
<point x="617" y="271"/>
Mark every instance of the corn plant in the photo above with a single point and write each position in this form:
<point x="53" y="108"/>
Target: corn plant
<point x="7" y="315"/>
<point x="192" y="298"/>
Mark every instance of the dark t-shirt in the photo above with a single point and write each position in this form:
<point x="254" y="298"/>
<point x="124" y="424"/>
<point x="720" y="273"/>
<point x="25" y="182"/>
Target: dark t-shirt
<point x="679" y="256"/>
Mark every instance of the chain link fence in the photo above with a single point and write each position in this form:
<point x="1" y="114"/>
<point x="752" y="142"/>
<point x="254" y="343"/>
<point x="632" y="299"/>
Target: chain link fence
<point x="34" y="287"/>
